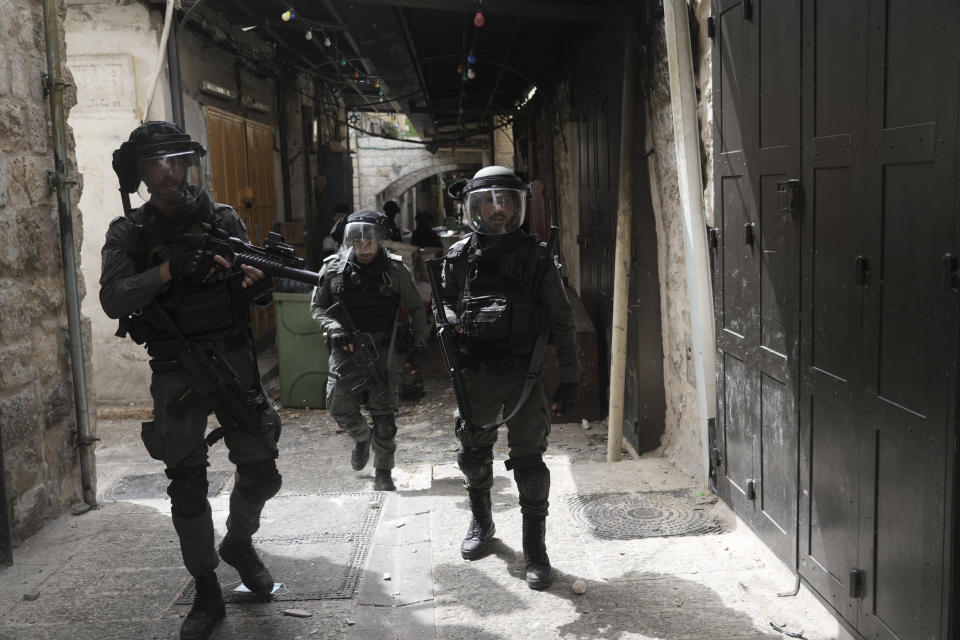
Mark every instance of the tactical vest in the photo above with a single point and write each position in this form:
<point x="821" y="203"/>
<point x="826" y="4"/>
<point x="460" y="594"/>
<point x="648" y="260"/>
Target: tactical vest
<point x="367" y="293"/>
<point x="200" y="310"/>
<point x="498" y="312"/>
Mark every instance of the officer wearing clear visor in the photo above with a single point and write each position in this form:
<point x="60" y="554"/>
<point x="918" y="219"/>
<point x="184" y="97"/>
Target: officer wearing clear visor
<point x="377" y="291"/>
<point x="168" y="294"/>
<point x="503" y="293"/>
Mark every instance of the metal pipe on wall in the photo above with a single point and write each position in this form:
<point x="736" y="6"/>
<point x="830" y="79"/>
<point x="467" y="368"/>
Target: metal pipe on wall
<point x="62" y="182"/>
<point x="683" y="99"/>
<point x="621" y="260"/>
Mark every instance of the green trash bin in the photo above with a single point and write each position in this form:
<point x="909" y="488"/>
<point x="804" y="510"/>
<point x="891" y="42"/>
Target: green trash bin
<point x="301" y="353"/>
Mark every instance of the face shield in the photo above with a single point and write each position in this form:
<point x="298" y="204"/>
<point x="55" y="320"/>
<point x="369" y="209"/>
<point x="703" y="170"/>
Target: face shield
<point x="170" y="176"/>
<point x="362" y="241"/>
<point x="495" y="210"/>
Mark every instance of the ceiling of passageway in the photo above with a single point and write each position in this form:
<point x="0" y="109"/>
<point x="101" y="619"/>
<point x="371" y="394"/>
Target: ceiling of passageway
<point x="417" y="52"/>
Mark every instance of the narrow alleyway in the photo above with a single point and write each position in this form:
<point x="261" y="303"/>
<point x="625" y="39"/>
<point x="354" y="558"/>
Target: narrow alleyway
<point x="360" y="565"/>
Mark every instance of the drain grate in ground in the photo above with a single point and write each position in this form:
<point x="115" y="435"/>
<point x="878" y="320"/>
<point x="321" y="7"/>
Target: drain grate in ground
<point x="628" y="516"/>
<point x="154" y="486"/>
<point x="315" y="544"/>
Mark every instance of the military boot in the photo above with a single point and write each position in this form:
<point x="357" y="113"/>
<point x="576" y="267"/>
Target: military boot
<point x="539" y="574"/>
<point x="241" y="555"/>
<point x="360" y="455"/>
<point x="207" y="611"/>
<point x="481" y="529"/>
<point x="383" y="481"/>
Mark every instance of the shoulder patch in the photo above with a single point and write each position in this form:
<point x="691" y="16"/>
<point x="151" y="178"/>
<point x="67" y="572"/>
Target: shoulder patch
<point x="396" y="256"/>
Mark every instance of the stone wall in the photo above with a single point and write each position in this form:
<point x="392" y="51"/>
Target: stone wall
<point x="682" y="437"/>
<point x="37" y="417"/>
<point x="378" y="163"/>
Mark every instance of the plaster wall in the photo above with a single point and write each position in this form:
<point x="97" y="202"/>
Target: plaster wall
<point x="112" y="52"/>
<point x="37" y="412"/>
<point x="682" y="434"/>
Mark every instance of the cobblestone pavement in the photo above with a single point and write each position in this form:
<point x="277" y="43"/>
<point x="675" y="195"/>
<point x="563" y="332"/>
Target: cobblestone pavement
<point x="356" y="564"/>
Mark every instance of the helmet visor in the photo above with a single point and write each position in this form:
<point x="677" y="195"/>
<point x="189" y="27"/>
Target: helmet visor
<point x="364" y="239"/>
<point x="172" y="178"/>
<point x="495" y="210"/>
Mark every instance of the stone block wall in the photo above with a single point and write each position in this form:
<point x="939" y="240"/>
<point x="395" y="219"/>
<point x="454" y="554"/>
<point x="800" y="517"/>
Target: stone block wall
<point x="37" y="417"/>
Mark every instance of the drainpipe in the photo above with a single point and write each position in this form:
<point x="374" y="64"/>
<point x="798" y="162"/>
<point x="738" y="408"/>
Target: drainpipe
<point x="621" y="261"/>
<point x="686" y="136"/>
<point x="60" y="180"/>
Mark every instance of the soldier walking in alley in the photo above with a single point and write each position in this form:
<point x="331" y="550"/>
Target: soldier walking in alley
<point x="502" y="294"/>
<point x="362" y="294"/>
<point x="191" y="307"/>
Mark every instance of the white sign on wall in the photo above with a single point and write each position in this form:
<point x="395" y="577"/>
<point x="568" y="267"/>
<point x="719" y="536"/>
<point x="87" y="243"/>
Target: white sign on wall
<point x="104" y="83"/>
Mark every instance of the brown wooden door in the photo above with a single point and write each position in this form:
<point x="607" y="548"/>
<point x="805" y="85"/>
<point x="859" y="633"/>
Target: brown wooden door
<point x="241" y="163"/>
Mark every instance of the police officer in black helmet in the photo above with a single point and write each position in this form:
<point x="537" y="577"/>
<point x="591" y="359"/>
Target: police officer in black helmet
<point x="166" y="292"/>
<point x="501" y="304"/>
<point x="378" y="291"/>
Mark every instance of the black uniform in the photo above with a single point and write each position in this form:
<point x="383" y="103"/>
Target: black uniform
<point x="215" y="316"/>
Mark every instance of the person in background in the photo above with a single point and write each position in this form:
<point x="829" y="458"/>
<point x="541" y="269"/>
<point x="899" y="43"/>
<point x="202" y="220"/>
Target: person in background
<point x="329" y="243"/>
<point x="424" y="235"/>
<point x="391" y="209"/>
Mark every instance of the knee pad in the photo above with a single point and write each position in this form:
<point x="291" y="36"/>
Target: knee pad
<point x="476" y="464"/>
<point x="257" y="482"/>
<point x="384" y="425"/>
<point x="187" y="491"/>
<point x="533" y="481"/>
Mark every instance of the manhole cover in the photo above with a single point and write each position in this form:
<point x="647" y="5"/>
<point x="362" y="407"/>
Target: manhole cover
<point x="315" y="544"/>
<point x="627" y="516"/>
<point x="154" y="486"/>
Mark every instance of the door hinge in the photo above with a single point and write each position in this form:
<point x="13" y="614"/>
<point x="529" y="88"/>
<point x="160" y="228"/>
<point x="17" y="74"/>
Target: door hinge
<point x="714" y="237"/>
<point x="861" y="270"/>
<point x="749" y="230"/>
<point x="950" y="271"/>
<point x="711" y="27"/>
<point x="856" y="583"/>
<point x="747" y="10"/>
<point x="751" y="489"/>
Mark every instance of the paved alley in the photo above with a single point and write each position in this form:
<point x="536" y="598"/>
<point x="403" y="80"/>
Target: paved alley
<point x="356" y="564"/>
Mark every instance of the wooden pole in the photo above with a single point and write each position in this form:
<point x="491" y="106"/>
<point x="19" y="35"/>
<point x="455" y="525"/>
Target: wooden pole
<point x="621" y="262"/>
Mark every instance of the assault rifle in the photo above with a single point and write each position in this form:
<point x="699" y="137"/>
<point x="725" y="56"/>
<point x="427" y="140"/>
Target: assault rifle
<point x="447" y="338"/>
<point x="274" y="258"/>
<point x="209" y="374"/>
<point x="364" y="355"/>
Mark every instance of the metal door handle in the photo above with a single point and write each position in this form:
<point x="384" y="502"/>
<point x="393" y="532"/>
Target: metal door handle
<point x="862" y="270"/>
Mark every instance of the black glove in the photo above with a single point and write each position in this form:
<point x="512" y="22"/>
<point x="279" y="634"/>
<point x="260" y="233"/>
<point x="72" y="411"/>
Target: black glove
<point x="566" y="397"/>
<point x="417" y="357"/>
<point x="339" y="339"/>
<point x="191" y="265"/>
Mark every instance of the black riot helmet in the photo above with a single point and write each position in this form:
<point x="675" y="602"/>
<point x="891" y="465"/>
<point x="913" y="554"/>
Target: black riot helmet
<point x="495" y="200"/>
<point x="363" y="235"/>
<point x="162" y="164"/>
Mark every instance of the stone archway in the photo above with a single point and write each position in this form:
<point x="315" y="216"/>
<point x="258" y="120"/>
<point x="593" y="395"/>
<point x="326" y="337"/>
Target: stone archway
<point x="401" y="185"/>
